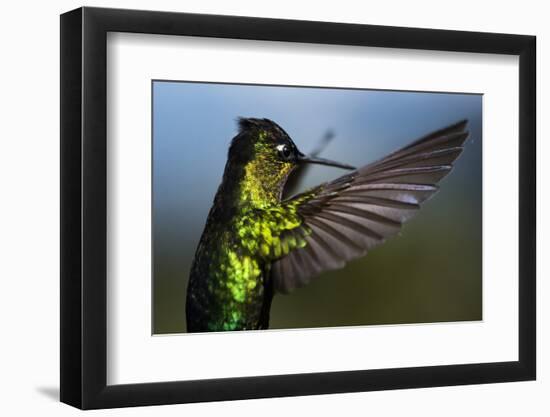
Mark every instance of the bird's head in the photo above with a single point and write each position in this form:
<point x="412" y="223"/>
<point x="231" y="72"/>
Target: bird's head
<point x="263" y="155"/>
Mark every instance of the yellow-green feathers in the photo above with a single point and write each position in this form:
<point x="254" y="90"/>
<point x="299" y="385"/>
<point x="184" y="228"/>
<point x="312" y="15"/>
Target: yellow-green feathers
<point x="239" y="259"/>
<point x="260" y="186"/>
<point x="247" y="229"/>
<point x="268" y="233"/>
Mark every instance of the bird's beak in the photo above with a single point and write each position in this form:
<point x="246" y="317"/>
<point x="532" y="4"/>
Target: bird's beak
<point x="322" y="161"/>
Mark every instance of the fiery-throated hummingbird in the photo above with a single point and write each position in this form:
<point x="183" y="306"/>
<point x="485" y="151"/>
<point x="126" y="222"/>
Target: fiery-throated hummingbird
<point x="255" y="244"/>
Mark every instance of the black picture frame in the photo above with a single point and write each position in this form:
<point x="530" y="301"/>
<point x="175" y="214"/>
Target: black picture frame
<point x="83" y="207"/>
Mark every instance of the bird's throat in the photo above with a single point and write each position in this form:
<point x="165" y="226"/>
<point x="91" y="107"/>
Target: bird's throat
<point x="261" y="184"/>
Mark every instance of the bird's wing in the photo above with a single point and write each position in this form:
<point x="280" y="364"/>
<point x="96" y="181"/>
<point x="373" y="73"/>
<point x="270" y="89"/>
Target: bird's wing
<point x="345" y="218"/>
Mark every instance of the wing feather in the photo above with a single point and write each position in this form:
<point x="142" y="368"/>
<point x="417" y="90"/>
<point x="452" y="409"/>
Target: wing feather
<point x="345" y="218"/>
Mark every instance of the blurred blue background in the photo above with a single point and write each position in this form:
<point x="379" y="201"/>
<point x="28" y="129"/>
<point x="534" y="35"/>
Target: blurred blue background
<point x="431" y="273"/>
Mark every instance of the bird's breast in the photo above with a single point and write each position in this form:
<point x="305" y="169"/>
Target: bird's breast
<point x="226" y="286"/>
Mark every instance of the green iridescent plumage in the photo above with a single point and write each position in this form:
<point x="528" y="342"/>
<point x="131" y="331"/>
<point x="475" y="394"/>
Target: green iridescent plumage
<point x="239" y="255"/>
<point x="254" y="244"/>
<point x="247" y="229"/>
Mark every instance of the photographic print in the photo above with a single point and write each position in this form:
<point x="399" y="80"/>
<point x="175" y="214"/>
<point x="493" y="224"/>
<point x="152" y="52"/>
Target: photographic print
<point x="284" y="207"/>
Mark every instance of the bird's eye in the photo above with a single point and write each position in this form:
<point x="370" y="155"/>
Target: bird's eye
<point x="284" y="152"/>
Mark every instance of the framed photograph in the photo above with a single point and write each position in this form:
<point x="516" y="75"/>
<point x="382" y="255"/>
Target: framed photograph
<point x="257" y="208"/>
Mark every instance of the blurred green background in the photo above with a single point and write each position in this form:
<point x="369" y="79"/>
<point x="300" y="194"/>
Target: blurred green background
<point x="432" y="272"/>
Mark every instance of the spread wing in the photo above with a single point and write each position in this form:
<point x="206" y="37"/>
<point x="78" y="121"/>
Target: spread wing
<point x="345" y="218"/>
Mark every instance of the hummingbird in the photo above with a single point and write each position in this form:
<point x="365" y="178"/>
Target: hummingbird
<point x="255" y="244"/>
